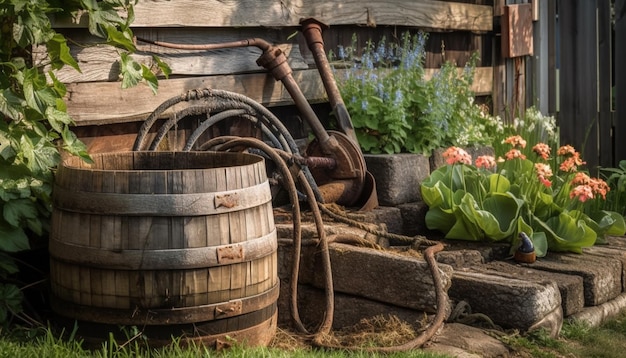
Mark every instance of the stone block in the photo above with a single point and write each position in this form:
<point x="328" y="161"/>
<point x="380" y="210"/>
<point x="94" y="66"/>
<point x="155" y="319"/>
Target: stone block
<point x="398" y="176"/>
<point x="459" y="259"/>
<point x="610" y="251"/>
<point x="414" y="218"/>
<point x="349" y="310"/>
<point x="400" y="280"/>
<point x="570" y="286"/>
<point x="388" y="215"/>
<point x="437" y="161"/>
<point x="602" y="276"/>
<point x="509" y="302"/>
<point x="595" y="316"/>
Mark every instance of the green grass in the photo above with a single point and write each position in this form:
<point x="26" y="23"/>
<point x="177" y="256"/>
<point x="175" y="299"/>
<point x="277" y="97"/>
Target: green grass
<point x="576" y="340"/>
<point x="42" y="343"/>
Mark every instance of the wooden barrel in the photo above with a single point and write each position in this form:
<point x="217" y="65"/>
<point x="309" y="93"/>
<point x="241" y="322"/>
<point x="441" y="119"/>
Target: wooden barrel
<point x="176" y="243"/>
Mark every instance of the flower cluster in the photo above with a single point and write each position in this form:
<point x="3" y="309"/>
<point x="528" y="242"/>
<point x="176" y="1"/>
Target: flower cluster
<point x="394" y="108"/>
<point x="497" y="199"/>
<point x="454" y="155"/>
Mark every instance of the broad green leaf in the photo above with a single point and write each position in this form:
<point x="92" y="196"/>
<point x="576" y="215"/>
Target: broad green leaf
<point x="566" y="233"/>
<point x="437" y="195"/>
<point x="498" y="184"/>
<point x="74" y="146"/>
<point x="164" y="68"/>
<point x="7" y="265"/>
<point x="464" y="229"/>
<point x="12" y="239"/>
<point x="119" y="38"/>
<point x="11" y="104"/>
<point x="150" y="78"/>
<point x="439" y="219"/>
<point x="10" y="300"/>
<point x="131" y="71"/>
<point x="57" y="119"/>
<point x="19" y="210"/>
<point x="59" y="53"/>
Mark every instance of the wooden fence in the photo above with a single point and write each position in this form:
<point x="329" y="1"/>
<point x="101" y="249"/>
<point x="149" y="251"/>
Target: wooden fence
<point x="592" y="86"/>
<point x="107" y="116"/>
<point x="572" y="72"/>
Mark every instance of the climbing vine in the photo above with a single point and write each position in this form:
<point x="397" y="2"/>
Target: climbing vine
<point x="35" y="127"/>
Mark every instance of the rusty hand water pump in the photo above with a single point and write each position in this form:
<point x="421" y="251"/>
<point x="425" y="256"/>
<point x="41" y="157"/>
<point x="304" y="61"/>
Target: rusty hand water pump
<point x="333" y="159"/>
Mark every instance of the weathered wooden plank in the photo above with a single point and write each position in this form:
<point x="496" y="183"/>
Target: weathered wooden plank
<point x="106" y="102"/>
<point x="100" y="62"/>
<point x="442" y="15"/>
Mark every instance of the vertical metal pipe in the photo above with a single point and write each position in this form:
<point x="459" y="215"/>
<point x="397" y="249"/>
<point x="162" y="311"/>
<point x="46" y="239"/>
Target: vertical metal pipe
<point x="312" y="30"/>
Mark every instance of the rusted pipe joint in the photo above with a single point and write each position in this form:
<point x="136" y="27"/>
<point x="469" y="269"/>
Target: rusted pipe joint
<point x="275" y="61"/>
<point x="312" y="30"/>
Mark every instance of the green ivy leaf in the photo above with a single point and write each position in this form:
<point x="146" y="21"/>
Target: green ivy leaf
<point x="119" y="38"/>
<point x="10" y="300"/>
<point x="12" y="239"/>
<point x="59" y="53"/>
<point x="19" y="210"/>
<point x="150" y="78"/>
<point x="164" y="68"/>
<point x="74" y="146"/>
<point x="131" y="71"/>
<point x="10" y="104"/>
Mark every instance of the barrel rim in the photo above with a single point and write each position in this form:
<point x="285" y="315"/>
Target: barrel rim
<point x="76" y="161"/>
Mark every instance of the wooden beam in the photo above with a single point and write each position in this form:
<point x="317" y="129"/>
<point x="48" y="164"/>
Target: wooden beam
<point x="100" y="62"/>
<point x="605" y="83"/>
<point x="620" y="81"/>
<point x="431" y="14"/>
<point x="100" y="103"/>
<point x="578" y="79"/>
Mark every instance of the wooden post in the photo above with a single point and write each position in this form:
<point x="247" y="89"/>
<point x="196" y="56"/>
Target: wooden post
<point x="605" y="84"/>
<point x="552" y="79"/>
<point x="620" y="81"/>
<point x="539" y="95"/>
<point x="578" y="78"/>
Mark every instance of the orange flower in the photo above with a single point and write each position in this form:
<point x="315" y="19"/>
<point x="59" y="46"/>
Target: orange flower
<point x="581" y="179"/>
<point x="543" y="173"/>
<point x="565" y="150"/>
<point x="454" y="155"/>
<point x="543" y="170"/>
<point x="514" y="153"/>
<point x="571" y="164"/>
<point x="485" y="161"/>
<point x="582" y="192"/>
<point x="599" y="187"/>
<point x="542" y="150"/>
<point x="516" y="141"/>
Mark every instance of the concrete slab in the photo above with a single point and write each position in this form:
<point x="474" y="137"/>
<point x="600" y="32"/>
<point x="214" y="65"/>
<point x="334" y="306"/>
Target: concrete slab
<point x="382" y="276"/>
<point x="388" y="277"/>
<point x="570" y="286"/>
<point x="602" y="276"/>
<point x="509" y="302"/>
<point x="594" y="316"/>
<point x="610" y="251"/>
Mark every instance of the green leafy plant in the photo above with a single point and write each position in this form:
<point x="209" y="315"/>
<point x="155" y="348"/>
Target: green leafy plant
<point x="395" y="109"/>
<point x="496" y="200"/>
<point x="616" y="178"/>
<point x="34" y="123"/>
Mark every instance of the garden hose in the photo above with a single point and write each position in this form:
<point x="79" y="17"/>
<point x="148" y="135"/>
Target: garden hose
<point x="293" y="172"/>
